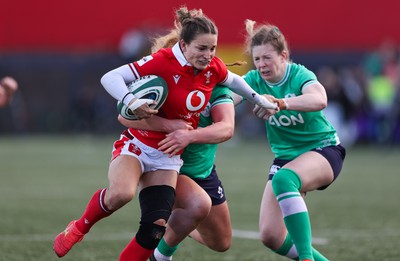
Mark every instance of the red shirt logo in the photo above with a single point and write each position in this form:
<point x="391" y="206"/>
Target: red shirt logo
<point x="195" y="100"/>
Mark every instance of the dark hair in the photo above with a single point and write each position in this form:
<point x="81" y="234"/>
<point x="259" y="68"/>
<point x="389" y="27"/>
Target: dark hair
<point x="188" y="24"/>
<point x="193" y="23"/>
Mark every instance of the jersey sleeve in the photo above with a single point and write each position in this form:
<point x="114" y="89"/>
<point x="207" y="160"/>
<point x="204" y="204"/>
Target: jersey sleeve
<point x="305" y="76"/>
<point x="221" y="95"/>
<point x="150" y="64"/>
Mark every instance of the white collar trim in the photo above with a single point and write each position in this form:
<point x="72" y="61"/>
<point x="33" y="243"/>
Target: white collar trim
<point x="176" y="50"/>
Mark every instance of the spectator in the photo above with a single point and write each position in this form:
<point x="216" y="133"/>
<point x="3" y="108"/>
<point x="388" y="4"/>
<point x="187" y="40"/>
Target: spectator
<point x="8" y="86"/>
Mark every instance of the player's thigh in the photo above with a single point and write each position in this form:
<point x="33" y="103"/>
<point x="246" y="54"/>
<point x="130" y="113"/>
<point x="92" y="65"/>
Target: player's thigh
<point x="189" y="195"/>
<point x="313" y="169"/>
<point x="158" y="177"/>
<point x="124" y="173"/>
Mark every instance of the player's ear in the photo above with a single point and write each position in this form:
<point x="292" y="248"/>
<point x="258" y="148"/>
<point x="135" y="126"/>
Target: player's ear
<point x="183" y="45"/>
<point x="284" y="55"/>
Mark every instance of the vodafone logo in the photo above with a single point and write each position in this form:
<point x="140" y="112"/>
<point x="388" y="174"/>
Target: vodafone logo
<point x="195" y="100"/>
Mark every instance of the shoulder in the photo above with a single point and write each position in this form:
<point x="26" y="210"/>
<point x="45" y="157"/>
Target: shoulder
<point x="219" y="65"/>
<point x="165" y="53"/>
<point x="217" y="61"/>
<point x="300" y="70"/>
<point x="254" y="79"/>
<point x="155" y="63"/>
<point x="251" y="75"/>
<point x="301" y="75"/>
<point x="221" y="93"/>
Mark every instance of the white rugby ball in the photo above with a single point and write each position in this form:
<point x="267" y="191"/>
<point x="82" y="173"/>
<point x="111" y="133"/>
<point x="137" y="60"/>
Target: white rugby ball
<point x="147" y="87"/>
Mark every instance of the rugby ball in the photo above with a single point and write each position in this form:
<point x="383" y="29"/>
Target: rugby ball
<point x="147" y="87"/>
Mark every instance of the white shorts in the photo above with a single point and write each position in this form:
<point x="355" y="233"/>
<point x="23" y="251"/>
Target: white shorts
<point x="150" y="158"/>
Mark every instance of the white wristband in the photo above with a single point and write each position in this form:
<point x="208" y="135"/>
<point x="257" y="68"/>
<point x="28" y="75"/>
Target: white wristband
<point x="128" y="98"/>
<point x="286" y="104"/>
<point x="139" y="102"/>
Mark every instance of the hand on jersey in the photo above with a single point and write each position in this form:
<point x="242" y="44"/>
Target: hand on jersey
<point x="140" y="108"/>
<point x="175" y="141"/>
<point x="263" y="112"/>
<point x="177" y="124"/>
<point x="266" y="102"/>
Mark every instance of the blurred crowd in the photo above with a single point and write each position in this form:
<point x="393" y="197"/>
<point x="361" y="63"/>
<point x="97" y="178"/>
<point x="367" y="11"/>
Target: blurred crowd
<point x="363" y="94"/>
<point x="363" y="98"/>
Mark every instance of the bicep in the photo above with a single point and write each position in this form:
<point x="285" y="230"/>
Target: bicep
<point x="224" y="113"/>
<point x="316" y="89"/>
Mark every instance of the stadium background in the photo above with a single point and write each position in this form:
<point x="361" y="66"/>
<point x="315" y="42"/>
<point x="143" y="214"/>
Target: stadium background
<point x="58" y="50"/>
<point x="49" y="165"/>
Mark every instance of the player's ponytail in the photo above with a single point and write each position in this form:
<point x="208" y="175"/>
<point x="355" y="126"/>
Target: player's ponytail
<point x="237" y="63"/>
<point x="187" y="25"/>
<point x="265" y="34"/>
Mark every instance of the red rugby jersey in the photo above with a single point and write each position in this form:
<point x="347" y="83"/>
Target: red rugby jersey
<point x="188" y="93"/>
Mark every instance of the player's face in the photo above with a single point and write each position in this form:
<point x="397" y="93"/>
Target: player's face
<point x="200" y="51"/>
<point x="269" y="63"/>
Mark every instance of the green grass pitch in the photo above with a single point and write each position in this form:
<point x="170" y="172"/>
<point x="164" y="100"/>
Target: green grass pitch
<point x="46" y="181"/>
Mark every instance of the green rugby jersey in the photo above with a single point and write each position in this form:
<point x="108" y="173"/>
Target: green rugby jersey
<point x="291" y="133"/>
<point x="198" y="159"/>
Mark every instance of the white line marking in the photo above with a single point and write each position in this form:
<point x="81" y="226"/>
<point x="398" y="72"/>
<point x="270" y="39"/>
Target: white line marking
<point x="255" y="235"/>
<point x="246" y="234"/>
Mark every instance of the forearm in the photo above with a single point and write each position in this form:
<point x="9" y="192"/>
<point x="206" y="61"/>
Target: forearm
<point x="114" y="82"/>
<point x="305" y="102"/>
<point x="155" y="123"/>
<point x="212" y="134"/>
<point x="314" y="98"/>
<point x="238" y="85"/>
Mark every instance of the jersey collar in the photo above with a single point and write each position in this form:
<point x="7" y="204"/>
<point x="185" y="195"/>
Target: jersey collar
<point x="284" y="78"/>
<point x="176" y="50"/>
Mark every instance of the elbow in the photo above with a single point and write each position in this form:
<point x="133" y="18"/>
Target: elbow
<point x="104" y="79"/>
<point x="229" y="134"/>
<point x="319" y="103"/>
<point x="322" y="105"/>
<point x="120" y="119"/>
<point x="322" y="101"/>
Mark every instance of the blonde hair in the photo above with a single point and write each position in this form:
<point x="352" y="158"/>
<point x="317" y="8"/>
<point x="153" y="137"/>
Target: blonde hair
<point x="265" y="34"/>
<point x="187" y="25"/>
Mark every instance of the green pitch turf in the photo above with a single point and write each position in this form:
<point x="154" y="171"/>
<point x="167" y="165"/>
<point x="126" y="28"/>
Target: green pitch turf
<point x="46" y="181"/>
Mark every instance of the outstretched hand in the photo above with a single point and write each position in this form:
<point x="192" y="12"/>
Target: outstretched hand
<point x="263" y="112"/>
<point x="266" y="103"/>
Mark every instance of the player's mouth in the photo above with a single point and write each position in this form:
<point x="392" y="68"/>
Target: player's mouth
<point x="204" y="63"/>
<point x="265" y="74"/>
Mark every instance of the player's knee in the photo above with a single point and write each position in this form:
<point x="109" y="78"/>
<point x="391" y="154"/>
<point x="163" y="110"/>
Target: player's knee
<point x="285" y="180"/>
<point x="221" y="245"/>
<point x="269" y="237"/>
<point x="198" y="210"/>
<point x="115" y="199"/>
<point x="269" y="240"/>
<point x="156" y="204"/>
<point x="149" y="235"/>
